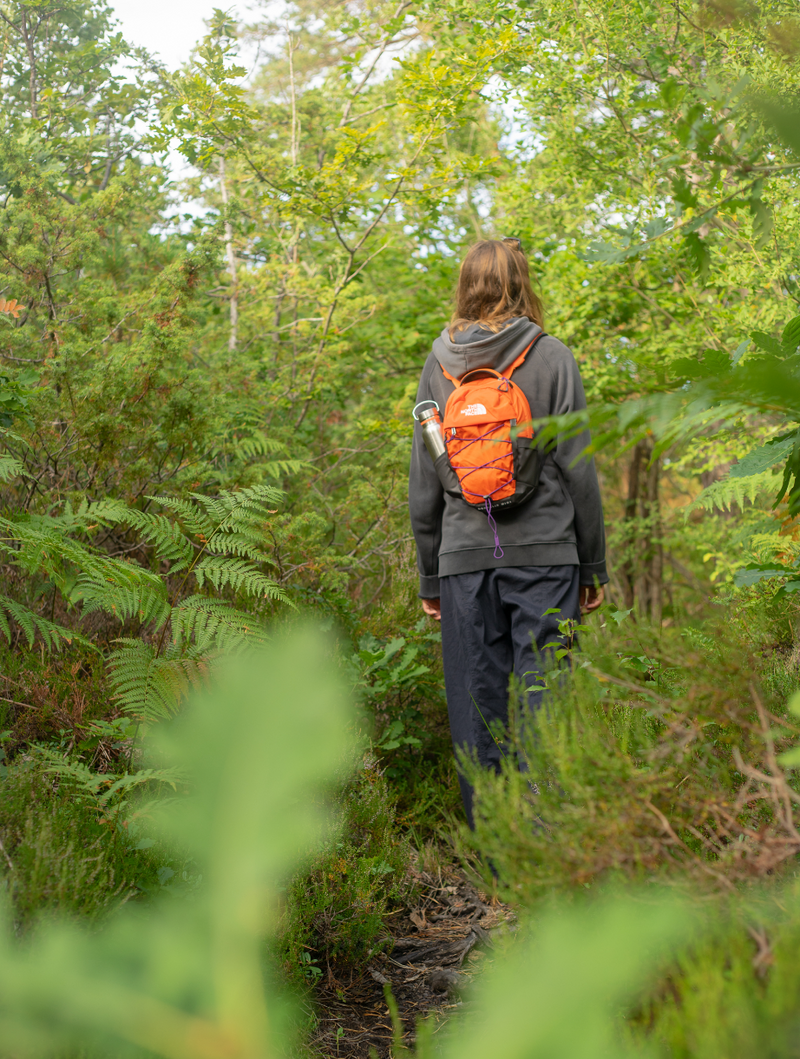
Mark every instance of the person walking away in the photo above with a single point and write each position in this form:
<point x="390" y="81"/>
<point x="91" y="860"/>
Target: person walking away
<point x="490" y="572"/>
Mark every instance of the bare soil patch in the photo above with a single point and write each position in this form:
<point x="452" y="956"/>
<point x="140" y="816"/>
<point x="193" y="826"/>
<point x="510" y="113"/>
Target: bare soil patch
<point x="437" y="948"/>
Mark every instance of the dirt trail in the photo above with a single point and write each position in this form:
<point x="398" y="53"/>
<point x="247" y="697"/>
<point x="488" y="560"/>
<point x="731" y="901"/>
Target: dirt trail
<point x="439" y="946"/>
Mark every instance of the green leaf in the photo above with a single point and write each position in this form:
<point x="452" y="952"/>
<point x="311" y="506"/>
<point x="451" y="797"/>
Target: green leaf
<point x="755" y="572"/>
<point x="785" y="120"/>
<point x="762" y="223"/>
<point x="790" y="339"/>
<point x="767" y="343"/>
<point x="699" y="254"/>
<point x="765" y="456"/>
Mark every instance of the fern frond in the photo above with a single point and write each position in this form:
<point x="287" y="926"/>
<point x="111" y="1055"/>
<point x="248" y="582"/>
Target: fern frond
<point x="84" y="778"/>
<point x="31" y="623"/>
<point x="163" y="533"/>
<point x="239" y="575"/>
<point x="150" y="688"/>
<point x="148" y="602"/>
<point x="257" y="445"/>
<point x="729" y="491"/>
<point x="126" y="783"/>
<point x="101" y="787"/>
<point x="213" y="625"/>
<point x="282" y="468"/>
<point x="9" y="468"/>
<point x="42" y="545"/>
<point x="228" y="509"/>
<point x="192" y="516"/>
<point x="245" y="541"/>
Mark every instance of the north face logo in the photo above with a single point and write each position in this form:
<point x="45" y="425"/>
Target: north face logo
<point x="473" y="410"/>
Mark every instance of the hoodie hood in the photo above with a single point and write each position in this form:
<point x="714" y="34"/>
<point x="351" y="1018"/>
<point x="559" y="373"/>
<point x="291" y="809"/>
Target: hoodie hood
<point x="475" y="347"/>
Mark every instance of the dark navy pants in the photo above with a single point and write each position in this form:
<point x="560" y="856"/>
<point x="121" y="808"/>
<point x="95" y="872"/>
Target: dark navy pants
<point x="493" y="625"/>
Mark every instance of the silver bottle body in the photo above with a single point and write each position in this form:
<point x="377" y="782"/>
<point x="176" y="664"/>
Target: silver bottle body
<point x="432" y="433"/>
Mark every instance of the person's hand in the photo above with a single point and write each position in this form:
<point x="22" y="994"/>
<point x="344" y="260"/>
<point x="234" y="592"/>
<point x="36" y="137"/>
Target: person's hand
<point x="433" y="608"/>
<point x="591" y="598"/>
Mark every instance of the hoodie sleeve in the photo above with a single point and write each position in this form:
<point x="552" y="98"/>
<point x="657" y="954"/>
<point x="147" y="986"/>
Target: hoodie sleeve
<point x="580" y="478"/>
<point x="426" y="503"/>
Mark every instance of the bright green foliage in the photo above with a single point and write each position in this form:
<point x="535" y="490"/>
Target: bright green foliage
<point x="187" y="972"/>
<point x="733" y="992"/>
<point x="214" y="544"/>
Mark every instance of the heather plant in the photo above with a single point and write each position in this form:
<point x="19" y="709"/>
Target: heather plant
<point x="656" y="759"/>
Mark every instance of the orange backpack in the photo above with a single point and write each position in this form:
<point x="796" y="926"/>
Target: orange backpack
<point x="497" y="466"/>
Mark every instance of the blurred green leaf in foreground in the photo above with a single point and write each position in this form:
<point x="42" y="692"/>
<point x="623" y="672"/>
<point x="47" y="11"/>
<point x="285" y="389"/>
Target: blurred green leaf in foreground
<point x="185" y="979"/>
<point x="561" y="993"/>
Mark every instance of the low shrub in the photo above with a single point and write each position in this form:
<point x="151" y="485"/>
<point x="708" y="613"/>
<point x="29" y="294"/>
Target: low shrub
<point x="335" y="906"/>
<point x="655" y="759"/>
<point x="59" y="856"/>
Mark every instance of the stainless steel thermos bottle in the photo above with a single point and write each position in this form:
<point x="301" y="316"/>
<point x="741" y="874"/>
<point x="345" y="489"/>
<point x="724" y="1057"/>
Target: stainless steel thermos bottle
<point x="431" y="423"/>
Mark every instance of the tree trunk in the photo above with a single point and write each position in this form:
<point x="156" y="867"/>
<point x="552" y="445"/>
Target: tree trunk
<point x="642" y="570"/>
<point x="231" y="256"/>
<point x="628" y="569"/>
<point x="655" y="573"/>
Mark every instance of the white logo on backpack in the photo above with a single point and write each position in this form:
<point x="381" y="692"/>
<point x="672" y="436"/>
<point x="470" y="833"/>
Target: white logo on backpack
<point x="473" y="410"/>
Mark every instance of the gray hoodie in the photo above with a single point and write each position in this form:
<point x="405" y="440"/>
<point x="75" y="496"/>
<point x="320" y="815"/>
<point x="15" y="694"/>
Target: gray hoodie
<point x="562" y="523"/>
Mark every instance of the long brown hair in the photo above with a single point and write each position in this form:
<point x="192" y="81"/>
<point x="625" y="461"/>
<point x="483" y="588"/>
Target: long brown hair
<point x="494" y="286"/>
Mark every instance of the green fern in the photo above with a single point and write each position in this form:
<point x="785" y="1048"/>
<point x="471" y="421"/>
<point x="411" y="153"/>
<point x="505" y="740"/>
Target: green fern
<point x="166" y="536"/>
<point x="722" y="495"/>
<point x="240" y="509"/>
<point x="9" y="468"/>
<point x="215" y="543"/>
<point x="108" y="792"/>
<point x="213" y="625"/>
<point x="222" y="571"/>
<point x="256" y="445"/>
<point x="147" y="602"/>
<point x="149" y="687"/>
<point x="190" y="514"/>
<point x="31" y="623"/>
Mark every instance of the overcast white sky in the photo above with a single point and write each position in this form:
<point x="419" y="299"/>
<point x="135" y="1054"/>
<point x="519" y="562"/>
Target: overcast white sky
<point x="168" y="27"/>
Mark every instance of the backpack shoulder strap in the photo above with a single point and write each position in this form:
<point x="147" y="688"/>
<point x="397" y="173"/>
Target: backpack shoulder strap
<point x="520" y="360"/>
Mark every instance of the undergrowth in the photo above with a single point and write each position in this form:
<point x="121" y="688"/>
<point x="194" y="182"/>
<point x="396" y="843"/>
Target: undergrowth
<point x="334" y="907"/>
<point x="59" y="856"/>
<point x="657" y="759"/>
<point x="734" y="991"/>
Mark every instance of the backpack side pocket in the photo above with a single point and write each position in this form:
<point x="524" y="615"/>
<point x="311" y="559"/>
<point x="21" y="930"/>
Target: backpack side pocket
<point x="447" y="476"/>
<point x="528" y="464"/>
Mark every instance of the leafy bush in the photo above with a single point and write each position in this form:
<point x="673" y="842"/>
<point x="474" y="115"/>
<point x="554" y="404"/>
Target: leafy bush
<point x="399" y="678"/>
<point x="402" y="689"/>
